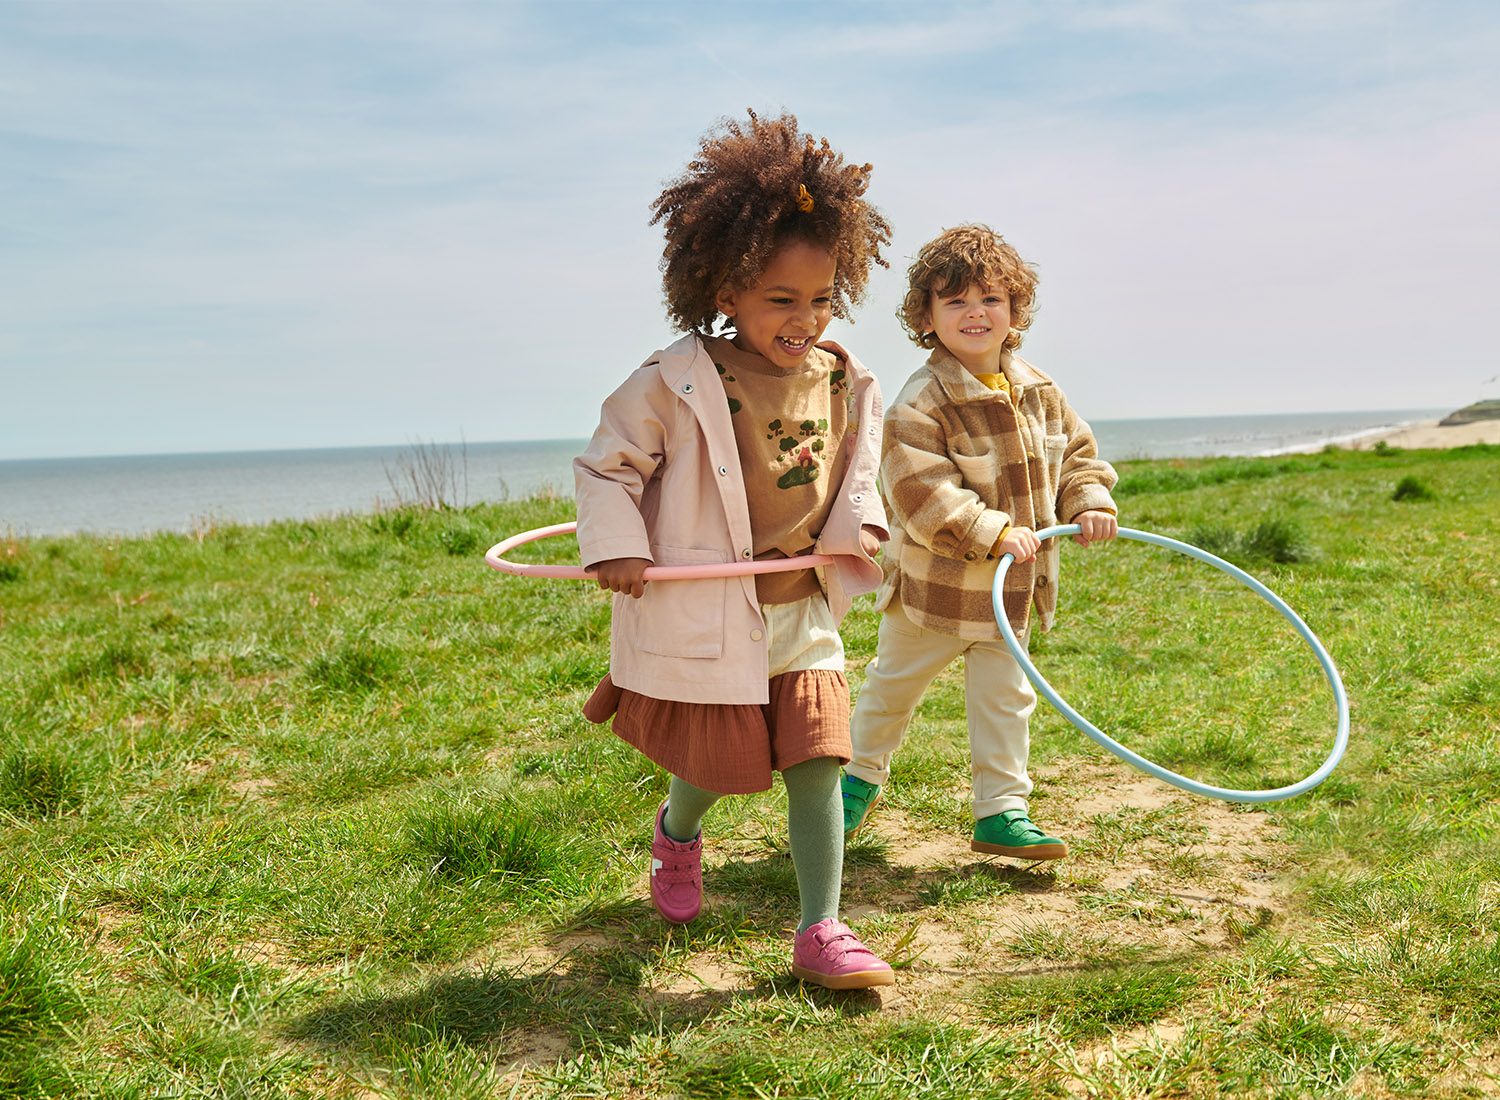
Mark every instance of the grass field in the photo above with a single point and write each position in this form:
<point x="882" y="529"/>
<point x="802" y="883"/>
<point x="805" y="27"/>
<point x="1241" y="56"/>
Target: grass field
<point x="310" y="810"/>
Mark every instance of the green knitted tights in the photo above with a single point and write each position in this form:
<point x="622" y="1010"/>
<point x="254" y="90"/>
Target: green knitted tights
<point x="814" y="820"/>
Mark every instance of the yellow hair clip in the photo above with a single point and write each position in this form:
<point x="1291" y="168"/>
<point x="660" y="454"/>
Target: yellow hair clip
<point x="804" y="199"/>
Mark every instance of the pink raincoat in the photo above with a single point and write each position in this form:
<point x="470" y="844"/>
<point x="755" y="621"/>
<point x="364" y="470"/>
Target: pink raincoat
<point x="661" y="480"/>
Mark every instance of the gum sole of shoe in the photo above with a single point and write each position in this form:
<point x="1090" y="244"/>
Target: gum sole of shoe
<point x="869" y="810"/>
<point x="863" y="979"/>
<point x="677" y="920"/>
<point x="1032" y="851"/>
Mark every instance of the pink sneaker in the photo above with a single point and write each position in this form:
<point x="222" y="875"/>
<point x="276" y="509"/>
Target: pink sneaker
<point x="830" y="954"/>
<point x="676" y="874"/>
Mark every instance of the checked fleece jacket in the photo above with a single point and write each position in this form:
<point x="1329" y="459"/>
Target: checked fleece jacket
<point x="959" y="463"/>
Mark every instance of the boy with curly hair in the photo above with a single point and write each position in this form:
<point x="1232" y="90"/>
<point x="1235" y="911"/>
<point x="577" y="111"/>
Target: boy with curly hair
<point x="981" y="449"/>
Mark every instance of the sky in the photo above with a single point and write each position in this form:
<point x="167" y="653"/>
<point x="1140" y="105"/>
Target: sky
<point x="239" y="225"/>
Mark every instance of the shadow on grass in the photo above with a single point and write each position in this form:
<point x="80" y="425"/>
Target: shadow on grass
<point x="1024" y="878"/>
<point x="1088" y="1001"/>
<point x="476" y="1009"/>
<point x="900" y="888"/>
<point x="604" y="984"/>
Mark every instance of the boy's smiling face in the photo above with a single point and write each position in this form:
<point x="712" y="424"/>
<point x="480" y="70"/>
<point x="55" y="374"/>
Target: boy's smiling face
<point x="784" y="314"/>
<point x="972" y="324"/>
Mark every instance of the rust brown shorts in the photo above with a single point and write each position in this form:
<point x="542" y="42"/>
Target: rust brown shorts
<point x="732" y="748"/>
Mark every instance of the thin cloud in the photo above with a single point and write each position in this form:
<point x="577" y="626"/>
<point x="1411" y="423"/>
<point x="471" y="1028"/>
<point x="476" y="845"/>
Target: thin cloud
<point x="291" y="224"/>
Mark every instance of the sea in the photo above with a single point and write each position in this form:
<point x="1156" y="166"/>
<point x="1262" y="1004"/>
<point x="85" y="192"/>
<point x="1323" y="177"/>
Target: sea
<point x="138" y="494"/>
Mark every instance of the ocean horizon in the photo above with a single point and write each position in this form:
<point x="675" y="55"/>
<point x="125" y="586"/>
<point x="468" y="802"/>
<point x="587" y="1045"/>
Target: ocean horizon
<point x="139" y="494"/>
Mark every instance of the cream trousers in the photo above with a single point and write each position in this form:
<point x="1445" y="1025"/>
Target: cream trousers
<point x="998" y="697"/>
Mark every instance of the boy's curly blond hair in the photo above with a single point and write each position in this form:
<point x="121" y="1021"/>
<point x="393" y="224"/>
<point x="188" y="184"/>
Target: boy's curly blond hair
<point x="953" y="261"/>
<point x="753" y="187"/>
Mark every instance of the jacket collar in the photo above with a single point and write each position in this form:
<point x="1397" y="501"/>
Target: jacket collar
<point x="962" y="387"/>
<point x="677" y="359"/>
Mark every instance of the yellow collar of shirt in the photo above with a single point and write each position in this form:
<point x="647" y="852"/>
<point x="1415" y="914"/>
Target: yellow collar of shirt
<point x="997" y="382"/>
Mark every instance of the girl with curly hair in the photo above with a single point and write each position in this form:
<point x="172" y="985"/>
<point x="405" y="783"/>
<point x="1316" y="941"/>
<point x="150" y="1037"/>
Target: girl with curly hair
<point x="746" y="440"/>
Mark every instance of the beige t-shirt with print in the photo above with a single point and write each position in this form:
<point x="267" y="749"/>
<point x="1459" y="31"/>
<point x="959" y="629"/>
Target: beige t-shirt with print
<point x="789" y="429"/>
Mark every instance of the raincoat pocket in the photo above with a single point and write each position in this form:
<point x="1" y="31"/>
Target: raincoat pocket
<point x="683" y="618"/>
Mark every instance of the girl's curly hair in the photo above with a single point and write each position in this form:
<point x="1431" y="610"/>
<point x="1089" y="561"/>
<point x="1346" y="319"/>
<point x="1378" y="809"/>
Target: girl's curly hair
<point x="956" y="259"/>
<point x="751" y="188"/>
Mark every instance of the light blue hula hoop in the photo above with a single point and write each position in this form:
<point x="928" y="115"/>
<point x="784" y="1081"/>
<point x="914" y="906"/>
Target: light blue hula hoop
<point x="1341" y="740"/>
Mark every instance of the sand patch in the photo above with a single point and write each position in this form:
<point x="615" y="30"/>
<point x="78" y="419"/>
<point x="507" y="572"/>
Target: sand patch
<point x="704" y="973"/>
<point x="277" y="955"/>
<point x="252" y="788"/>
<point x="531" y="1049"/>
<point x="1152" y="872"/>
<point x="116" y="935"/>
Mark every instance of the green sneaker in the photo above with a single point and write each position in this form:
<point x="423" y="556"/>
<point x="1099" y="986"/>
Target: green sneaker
<point x="1011" y="833"/>
<point x="859" y="799"/>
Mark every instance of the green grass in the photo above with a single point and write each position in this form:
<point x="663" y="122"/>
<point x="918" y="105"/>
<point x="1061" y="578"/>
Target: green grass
<point x="309" y="809"/>
<point x="1412" y="488"/>
<point x="1092" y="1001"/>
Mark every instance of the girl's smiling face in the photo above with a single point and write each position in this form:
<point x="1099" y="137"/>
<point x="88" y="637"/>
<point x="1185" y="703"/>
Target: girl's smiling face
<point x="972" y="324"/>
<point x="784" y="314"/>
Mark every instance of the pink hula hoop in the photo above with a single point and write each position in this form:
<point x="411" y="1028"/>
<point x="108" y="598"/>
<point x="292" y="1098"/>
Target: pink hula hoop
<point x="495" y="559"/>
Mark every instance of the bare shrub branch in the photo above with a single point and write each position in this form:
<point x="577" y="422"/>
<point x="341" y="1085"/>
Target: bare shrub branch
<point x="430" y="475"/>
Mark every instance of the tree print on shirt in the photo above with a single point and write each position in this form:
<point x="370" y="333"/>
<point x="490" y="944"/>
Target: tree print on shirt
<point x="800" y="446"/>
<point x="734" y="402"/>
<point x="809" y="437"/>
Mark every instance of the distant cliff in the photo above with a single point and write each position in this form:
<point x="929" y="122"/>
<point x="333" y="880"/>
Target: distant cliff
<point x="1480" y="410"/>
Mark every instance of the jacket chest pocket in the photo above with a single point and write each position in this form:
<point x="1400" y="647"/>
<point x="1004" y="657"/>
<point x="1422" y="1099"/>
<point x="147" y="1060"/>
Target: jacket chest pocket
<point x="980" y="472"/>
<point x="1054" y="446"/>
<point x="683" y="618"/>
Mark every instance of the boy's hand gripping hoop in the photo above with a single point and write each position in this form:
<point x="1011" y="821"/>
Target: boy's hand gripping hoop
<point x="495" y="559"/>
<point x="1341" y="739"/>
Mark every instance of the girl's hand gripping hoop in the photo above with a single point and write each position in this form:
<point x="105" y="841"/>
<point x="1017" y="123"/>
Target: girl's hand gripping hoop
<point x="1341" y="739"/>
<point x="495" y="559"/>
